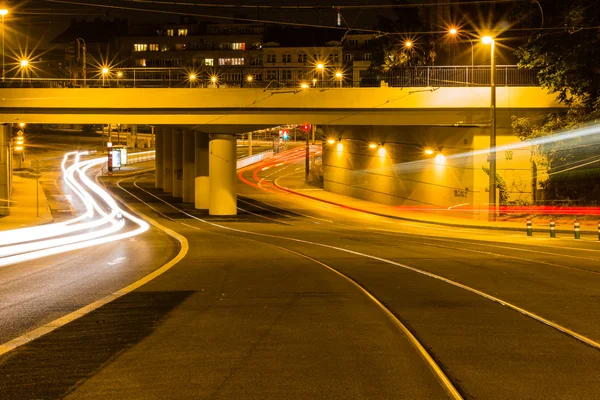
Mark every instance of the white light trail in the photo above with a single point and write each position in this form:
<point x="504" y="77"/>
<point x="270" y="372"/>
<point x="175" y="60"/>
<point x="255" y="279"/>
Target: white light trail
<point x="26" y="244"/>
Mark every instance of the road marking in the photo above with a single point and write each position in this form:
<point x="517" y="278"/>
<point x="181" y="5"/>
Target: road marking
<point x="62" y="321"/>
<point x="443" y="380"/>
<point x="117" y="260"/>
<point x="556" y="326"/>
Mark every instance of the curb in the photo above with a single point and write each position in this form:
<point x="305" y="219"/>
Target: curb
<point x="452" y="225"/>
<point x="133" y="173"/>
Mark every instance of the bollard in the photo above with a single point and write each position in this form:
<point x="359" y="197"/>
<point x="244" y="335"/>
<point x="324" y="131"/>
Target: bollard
<point x="552" y="228"/>
<point x="529" y="228"/>
<point x="576" y="227"/>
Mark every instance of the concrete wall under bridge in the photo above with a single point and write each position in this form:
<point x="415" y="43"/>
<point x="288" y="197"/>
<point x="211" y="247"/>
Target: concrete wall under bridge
<point x="389" y="165"/>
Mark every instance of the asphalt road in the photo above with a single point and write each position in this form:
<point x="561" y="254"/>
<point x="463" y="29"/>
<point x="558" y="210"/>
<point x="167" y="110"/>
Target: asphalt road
<point x="264" y="306"/>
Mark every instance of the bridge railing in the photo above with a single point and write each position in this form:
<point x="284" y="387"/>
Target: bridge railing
<point x="272" y="77"/>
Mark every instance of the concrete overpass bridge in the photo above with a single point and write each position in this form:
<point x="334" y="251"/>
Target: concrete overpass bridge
<point x="201" y="168"/>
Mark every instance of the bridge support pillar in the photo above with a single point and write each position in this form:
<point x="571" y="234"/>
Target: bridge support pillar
<point x="189" y="167"/>
<point x="5" y="168"/>
<point x="168" y="160"/>
<point x="202" y="188"/>
<point x="222" y="167"/>
<point x="159" y="161"/>
<point x="177" y="164"/>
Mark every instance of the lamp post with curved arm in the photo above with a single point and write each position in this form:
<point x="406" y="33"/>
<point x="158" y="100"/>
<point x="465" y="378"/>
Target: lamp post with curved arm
<point x="492" y="188"/>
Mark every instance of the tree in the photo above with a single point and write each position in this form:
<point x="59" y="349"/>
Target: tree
<point x="568" y="61"/>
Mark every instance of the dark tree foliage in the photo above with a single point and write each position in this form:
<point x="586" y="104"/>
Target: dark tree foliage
<point x="569" y="62"/>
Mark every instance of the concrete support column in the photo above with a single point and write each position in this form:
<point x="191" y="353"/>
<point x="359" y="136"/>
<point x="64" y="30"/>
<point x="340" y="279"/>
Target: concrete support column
<point x="5" y="167"/>
<point x="189" y="167"/>
<point x="222" y="166"/>
<point x="159" y="162"/>
<point x="177" y="164"/>
<point x="250" y="144"/>
<point x="167" y="160"/>
<point x="202" y="188"/>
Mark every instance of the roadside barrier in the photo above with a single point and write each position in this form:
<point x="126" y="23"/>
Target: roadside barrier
<point x="552" y="228"/>
<point x="529" y="228"/>
<point x="576" y="229"/>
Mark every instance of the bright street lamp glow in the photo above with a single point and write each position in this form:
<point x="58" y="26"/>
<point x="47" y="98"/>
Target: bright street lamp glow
<point x="440" y="159"/>
<point x="331" y="141"/>
<point x="372" y="146"/>
<point x="338" y="75"/>
<point x="3" y="12"/>
<point x="119" y="74"/>
<point x="19" y="148"/>
<point x="381" y="152"/>
<point x="104" y="71"/>
<point x="24" y="63"/>
<point x="340" y="147"/>
<point x="487" y="40"/>
<point x="408" y="43"/>
<point x="453" y="31"/>
<point x="428" y="152"/>
<point x="249" y="78"/>
<point x="192" y="77"/>
<point x="304" y="85"/>
<point x="213" y="79"/>
<point x="22" y="124"/>
<point x="320" y="66"/>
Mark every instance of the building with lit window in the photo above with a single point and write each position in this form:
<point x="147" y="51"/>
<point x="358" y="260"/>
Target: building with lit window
<point x="292" y="56"/>
<point x="229" y="52"/>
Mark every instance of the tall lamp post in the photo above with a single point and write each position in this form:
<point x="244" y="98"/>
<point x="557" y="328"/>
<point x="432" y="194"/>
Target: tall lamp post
<point x="321" y="68"/>
<point x="490" y="40"/>
<point x="455" y="32"/>
<point x="3" y="13"/>
<point x="81" y="44"/>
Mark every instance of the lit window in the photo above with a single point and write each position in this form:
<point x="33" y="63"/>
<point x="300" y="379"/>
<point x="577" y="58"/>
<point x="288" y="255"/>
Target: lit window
<point x="209" y="62"/>
<point x="238" y="46"/>
<point x="180" y="46"/>
<point x="164" y="47"/>
<point x="153" y="47"/>
<point x="140" y="62"/>
<point x="170" y="32"/>
<point x="182" y="32"/>
<point x="231" y="61"/>
<point x="140" y="47"/>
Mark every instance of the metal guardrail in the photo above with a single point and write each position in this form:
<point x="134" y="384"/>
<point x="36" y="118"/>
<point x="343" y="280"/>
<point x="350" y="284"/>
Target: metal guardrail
<point x="133" y="158"/>
<point x="249" y="160"/>
<point x="425" y="76"/>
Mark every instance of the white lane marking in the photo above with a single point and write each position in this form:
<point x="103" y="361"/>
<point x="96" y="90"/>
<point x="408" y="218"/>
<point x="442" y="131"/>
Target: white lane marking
<point x="117" y="260"/>
<point x="57" y="323"/>
<point x="494" y="299"/>
<point x="503" y="247"/>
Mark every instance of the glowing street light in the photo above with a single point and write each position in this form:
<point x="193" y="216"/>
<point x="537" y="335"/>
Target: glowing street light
<point x="3" y="13"/>
<point x="372" y="145"/>
<point x="119" y="74"/>
<point x="24" y="63"/>
<point x="408" y="44"/>
<point x="304" y="85"/>
<point x="453" y="31"/>
<point x="320" y="66"/>
<point x="105" y="71"/>
<point x="249" y="78"/>
<point x="22" y="124"/>
<point x="492" y="188"/>
<point x="213" y="79"/>
<point x="487" y="40"/>
<point x="330" y="141"/>
<point x="429" y="152"/>
<point x="192" y="78"/>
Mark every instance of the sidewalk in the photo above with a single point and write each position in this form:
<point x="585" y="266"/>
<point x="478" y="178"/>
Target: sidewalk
<point x="23" y="205"/>
<point x="296" y="184"/>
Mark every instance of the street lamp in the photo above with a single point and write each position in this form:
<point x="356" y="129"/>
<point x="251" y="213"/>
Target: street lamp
<point x="213" y="79"/>
<point x="408" y="44"/>
<point x="104" y="72"/>
<point x="3" y="13"/>
<point x="24" y="63"/>
<point x="321" y="68"/>
<point x="339" y="76"/>
<point x="192" y="78"/>
<point x="455" y="32"/>
<point x="492" y="187"/>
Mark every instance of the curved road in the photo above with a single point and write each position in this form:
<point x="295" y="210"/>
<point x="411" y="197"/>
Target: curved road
<point x="289" y="300"/>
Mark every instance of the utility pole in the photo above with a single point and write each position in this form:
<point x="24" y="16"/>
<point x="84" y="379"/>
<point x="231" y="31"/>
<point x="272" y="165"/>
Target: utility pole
<point x="307" y="160"/>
